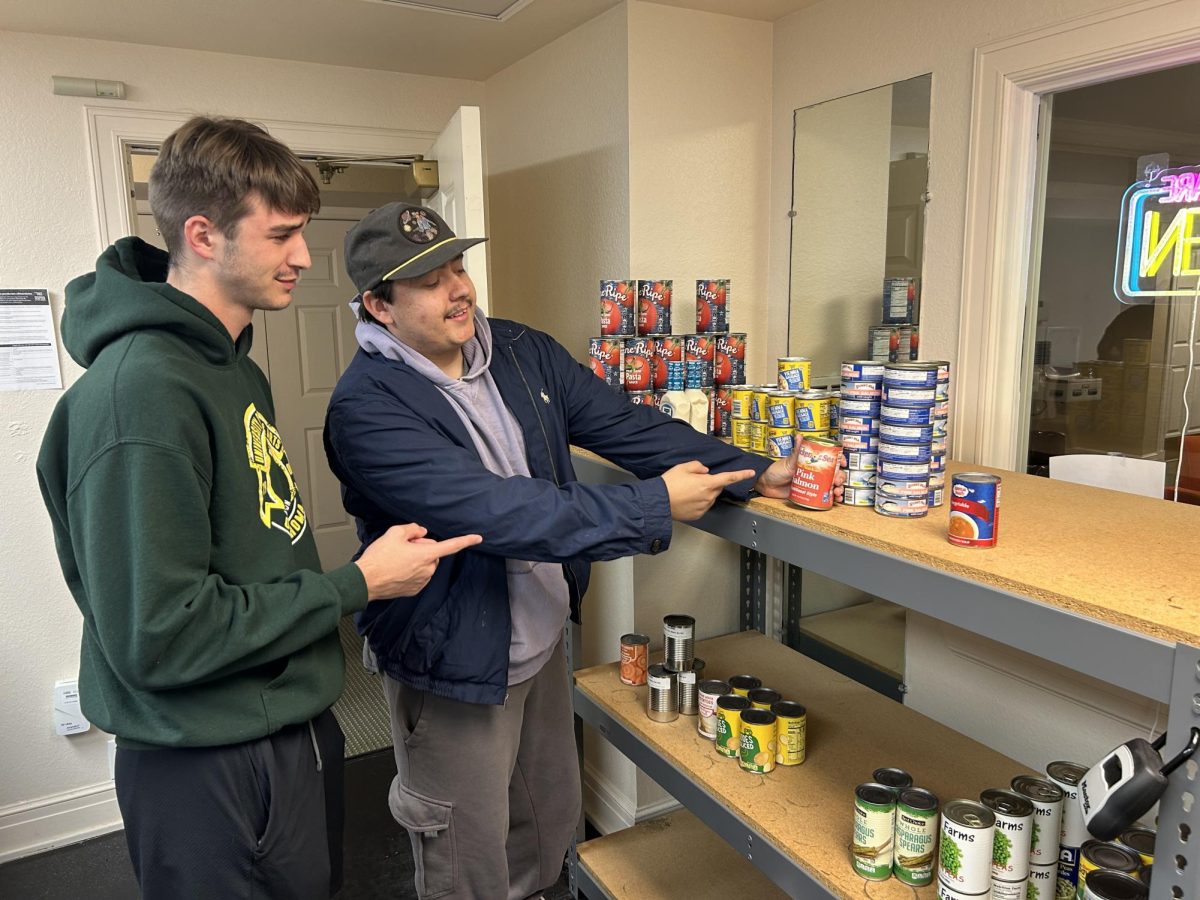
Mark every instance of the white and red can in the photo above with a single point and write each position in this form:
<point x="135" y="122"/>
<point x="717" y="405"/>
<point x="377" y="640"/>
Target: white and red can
<point x="974" y="509"/>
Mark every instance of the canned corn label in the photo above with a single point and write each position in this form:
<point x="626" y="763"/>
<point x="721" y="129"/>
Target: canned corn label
<point x="728" y="740"/>
<point x="791" y="724"/>
<point x="758" y="743"/>
<point x="874" y="826"/>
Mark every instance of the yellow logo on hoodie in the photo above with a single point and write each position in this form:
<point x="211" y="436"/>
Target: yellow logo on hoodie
<point x="278" y="508"/>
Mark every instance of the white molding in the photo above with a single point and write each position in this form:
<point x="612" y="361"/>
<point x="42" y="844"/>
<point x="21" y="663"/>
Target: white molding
<point x="34" y="826"/>
<point x="1010" y="77"/>
<point x="1104" y="138"/>
<point x="658" y="808"/>
<point x="608" y="808"/>
<point x="110" y="129"/>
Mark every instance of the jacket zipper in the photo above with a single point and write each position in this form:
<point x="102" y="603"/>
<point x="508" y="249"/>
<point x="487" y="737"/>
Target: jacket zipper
<point x="537" y="412"/>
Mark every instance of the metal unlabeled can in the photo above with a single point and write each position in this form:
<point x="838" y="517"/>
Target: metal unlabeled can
<point x="916" y="836"/>
<point x="874" y="828"/>
<point x="679" y="639"/>
<point x="707" y="693"/>
<point x="965" y="860"/>
<point x="1042" y="883"/>
<point x="791" y="726"/>
<point x="662" y="700"/>
<point x="689" y="700"/>
<point x="1140" y="840"/>
<point x="758" y="744"/>
<point x="794" y="373"/>
<point x="816" y="468"/>
<point x="1047" y="800"/>
<point x="975" y="513"/>
<point x="635" y="658"/>
<point x="1107" y="885"/>
<point x="896" y="779"/>
<point x="1010" y="846"/>
<point x="1094" y="855"/>
<point x="763" y="698"/>
<point x="1072" y="833"/>
<point x="729" y="724"/>
<point x="742" y="685"/>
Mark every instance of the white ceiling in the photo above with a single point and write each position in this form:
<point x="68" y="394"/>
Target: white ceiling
<point x="362" y="33"/>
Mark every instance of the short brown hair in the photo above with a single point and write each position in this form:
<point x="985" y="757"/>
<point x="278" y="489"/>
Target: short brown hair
<point x="213" y="167"/>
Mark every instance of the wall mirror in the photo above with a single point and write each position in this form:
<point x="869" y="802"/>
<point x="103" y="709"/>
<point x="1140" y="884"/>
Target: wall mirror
<point x="860" y="175"/>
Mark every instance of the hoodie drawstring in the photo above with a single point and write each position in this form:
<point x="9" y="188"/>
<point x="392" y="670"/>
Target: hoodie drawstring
<point x="312" y="734"/>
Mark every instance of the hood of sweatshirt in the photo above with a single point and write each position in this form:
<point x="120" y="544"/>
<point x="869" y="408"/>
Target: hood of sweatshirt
<point x="127" y="293"/>
<point x="477" y="353"/>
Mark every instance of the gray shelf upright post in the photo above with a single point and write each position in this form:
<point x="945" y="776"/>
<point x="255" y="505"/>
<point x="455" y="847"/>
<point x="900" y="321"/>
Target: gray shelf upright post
<point x="1177" y="849"/>
<point x="752" y="611"/>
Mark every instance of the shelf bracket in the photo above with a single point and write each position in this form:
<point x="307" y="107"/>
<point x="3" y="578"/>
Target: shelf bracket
<point x="1177" y="849"/>
<point x="752" y="611"/>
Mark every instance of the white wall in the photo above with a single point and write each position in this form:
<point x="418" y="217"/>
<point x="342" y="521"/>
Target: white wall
<point x="834" y="49"/>
<point x="48" y="236"/>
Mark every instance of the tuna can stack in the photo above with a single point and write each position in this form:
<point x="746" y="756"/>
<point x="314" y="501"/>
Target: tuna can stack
<point x="906" y="418"/>
<point x="858" y="426"/>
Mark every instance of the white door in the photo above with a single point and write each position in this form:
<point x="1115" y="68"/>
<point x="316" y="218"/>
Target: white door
<point x="309" y="344"/>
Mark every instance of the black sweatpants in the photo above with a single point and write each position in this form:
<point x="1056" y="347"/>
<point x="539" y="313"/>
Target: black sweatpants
<point x="255" y="821"/>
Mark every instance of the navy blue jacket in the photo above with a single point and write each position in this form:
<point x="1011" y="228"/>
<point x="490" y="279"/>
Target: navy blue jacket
<point x="402" y="455"/>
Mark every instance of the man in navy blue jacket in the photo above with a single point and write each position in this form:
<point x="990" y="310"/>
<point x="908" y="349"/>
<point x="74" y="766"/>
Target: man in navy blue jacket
<point x="463" y="424"/>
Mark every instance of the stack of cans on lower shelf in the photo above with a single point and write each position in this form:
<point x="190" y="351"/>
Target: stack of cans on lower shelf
<point x="913" y="430"/>
<point x="858" y="427"/>
<point x="673" y="682"/>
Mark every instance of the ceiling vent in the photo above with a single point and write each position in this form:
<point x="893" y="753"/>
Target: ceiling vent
<point x="495" y="10"/>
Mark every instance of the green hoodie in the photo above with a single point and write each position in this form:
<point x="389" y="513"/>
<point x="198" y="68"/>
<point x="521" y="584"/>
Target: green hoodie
<point x="178" y="525"/>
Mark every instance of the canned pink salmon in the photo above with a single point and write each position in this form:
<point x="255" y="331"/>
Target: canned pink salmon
<point x="654" y="307"/>
<point x="618" y="308"/>
<point x="816" y="467"/>
<point x="862" y="370"/>
<point x="712" y="305"/>
<point x="900" y="507"/>
<point x="730" y="359"/>
<point x="974" y="509"/>
<point x="863" y="496"/>
<point x="857" y="460"/>
<point x="903" y="452"/>
<point x="906" y="415"/>
<point x="867" y="443"/>
<point x="906" y="434"/>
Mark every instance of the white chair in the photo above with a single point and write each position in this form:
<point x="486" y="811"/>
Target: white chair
<point x="1117" y="473"/>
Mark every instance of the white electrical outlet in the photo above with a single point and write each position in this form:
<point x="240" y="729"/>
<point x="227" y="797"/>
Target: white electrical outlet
<point x="68" y="717"/>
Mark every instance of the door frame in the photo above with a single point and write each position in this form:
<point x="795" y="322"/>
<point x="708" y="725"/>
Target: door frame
<point x="1011" y="76"/>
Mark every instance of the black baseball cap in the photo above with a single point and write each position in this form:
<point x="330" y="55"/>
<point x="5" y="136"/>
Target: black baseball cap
<point x="400" y="240"/>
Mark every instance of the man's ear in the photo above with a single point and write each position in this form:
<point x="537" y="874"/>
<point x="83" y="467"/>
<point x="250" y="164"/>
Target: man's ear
<point x="377" y="308"/>
<point x="201" y="237"/>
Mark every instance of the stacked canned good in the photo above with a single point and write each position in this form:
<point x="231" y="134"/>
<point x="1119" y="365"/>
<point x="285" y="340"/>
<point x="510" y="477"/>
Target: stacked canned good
<point x="895" y="829"/>
<point x="913" y="432"/>
<point x="753" y="724"/>
<point x="858" y="426"/>
<point x="1073" y="833"/>
<point x="1011" y="842"/>
<point x="1047" y="802"/>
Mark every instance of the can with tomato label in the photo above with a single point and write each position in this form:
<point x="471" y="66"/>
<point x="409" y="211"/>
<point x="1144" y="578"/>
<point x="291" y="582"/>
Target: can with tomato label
<point x="974" y="509"/>
<point x="607" y="358"/>
<point x="639" y="364"/>
<point x="816" y="466"/>
<point x="699" y="351"/>
<point x="723" y="411"/>
<point x="712" y="305"/>
<point x="730" y="359"/>
<point x="668" y="349"/>
<point x="618" y="308"/>
<point x="654" y="307"/>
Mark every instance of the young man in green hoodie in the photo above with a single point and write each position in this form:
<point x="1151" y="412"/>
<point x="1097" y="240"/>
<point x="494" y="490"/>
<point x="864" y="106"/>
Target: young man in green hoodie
<point x="210" y="644"/>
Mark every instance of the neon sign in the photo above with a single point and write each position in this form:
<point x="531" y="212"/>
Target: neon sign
<point x="1159" y="236"/>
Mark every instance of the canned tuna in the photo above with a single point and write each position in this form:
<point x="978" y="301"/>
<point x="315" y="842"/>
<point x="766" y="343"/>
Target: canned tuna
<point x="894" y="395"/>
<point x="914" y="487"/>
<point x="858" y="425"/>
<point x="906" y="415"/>
<point x="862" y="370"/>
<point x="904" y="470"/>
<point x="906" y="434"/>
<point x="857" y="460"/>
<point x="890" y="450"/>
<point x="900" y="507"/>
<point x="910" y="375"/>
<point x="858" y="496"/>
<point x="865" y="443"/>
<point x="794" y="373"/>
<point x="860" y="478"/>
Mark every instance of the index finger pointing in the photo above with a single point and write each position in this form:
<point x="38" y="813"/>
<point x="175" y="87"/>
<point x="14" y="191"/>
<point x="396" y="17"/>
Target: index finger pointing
<point x="728" y="478"/>
<point x="454" y="544"/>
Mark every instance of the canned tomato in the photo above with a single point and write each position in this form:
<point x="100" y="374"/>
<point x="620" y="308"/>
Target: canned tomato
<point x="669" y="349"/>
<point x="905" y="434"/>
<point x="654" y="307"/>
<point x="816" y="468"/>
<point x="1140" y="840"/>
<point x="607" y="359"/>
<point x="906" y="415"/>
<point x="758" y="745"/>
<point x="965" y="859"/>
<point x="912" y="453"/>
<point x="729" y="724"/>
<point x="894" y="395"/>
<point x="899" y="507"/>
<point x="916" y="836"/>
<point x="758" y="437"/>
<point x="707" y="693"/>
<point x="741" y="433"/>
<point x="730" y="359"/>
<point x="937" y="462"/>
<point x="742" y="685"/>
<point x="794" y="373"/>
<point x="861" y="478"/>
<point x="762" y="698"/>
<point x="635" y="657"/>
<point x="791" y="725"/>
<point x="712" y="305"/>
<point x="874" y="828"/>
<point x="975" y="511"/>
<point x="758" y="402"/>
<point x="781" y="409"/>
<point x="639" y="364"/>
<point x="641" y="398"/>
<point x="741" y="397"/>
<point x="780" y="442"/>
<point x="863" y="496"/>
<point x="812" y="410"/>
<point x="1010" y="846"/>
<point x="676" y="375"/>
<point x="700" y="351"/>
<point x="863" y="443"/>
<point x="862" y="370"/>
<point x="723" y="411"/>
<point x="1106" y="885"/>
<point x="618" y="308"/>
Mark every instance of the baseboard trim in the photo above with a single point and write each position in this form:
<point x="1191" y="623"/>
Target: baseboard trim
<point x="44" y="823"/>
<point x="658" y="808"/>
<point x="607" y="808"/>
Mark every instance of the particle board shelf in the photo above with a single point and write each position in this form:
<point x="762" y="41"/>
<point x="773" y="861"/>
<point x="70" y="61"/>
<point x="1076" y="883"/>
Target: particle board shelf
<point x="666" y="858"/>
<point x="1092" y="579"/>
<point x="871" y="633"/>
<point x="795" y="822"/>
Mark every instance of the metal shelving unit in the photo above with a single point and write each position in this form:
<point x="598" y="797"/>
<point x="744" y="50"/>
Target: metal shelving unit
<point x="1141" y="663"/>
